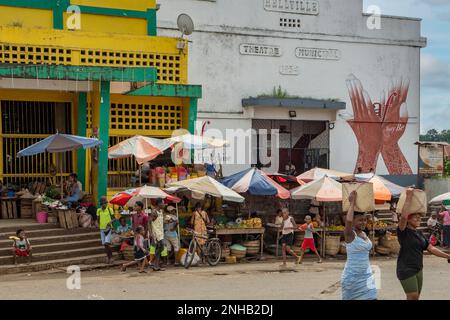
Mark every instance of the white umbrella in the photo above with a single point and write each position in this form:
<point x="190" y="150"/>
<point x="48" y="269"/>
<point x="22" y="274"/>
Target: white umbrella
<point x="441" y="198"/>
<point x="206" y="185"/>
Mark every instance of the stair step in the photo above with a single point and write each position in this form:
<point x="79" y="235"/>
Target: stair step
<point x="54" y="239"/>
<point x="28" y="227"/>
<point x="96" y="259"/>
<point x="48" y="232"/>
<point x="59" y="254"/>
<point x="58" y="246"/>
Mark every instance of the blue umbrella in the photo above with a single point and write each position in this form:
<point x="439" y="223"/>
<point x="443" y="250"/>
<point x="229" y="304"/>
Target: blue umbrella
<point x="255" y="182"/>
<point x="59" y="143"/>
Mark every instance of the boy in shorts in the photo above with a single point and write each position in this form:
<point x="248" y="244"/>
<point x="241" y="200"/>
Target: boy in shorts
<point x="308" y="241"/>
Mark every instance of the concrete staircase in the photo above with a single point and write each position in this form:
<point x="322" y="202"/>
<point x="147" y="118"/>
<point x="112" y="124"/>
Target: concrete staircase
<point x="53" y="247"/>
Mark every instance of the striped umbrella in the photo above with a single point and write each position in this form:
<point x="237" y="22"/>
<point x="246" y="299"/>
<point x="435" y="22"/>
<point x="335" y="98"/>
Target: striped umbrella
<point x="255" y="182"/>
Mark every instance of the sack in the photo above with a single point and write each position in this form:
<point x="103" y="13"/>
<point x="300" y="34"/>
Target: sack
<point x="418" y="203"/>
<point x="365" y="200"/>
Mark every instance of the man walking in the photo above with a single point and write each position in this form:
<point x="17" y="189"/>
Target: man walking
<point x="157" y="218"/>
<point x="106" y="217"/>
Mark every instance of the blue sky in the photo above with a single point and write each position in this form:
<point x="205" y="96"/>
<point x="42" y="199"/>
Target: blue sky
<point x="435" y="73"/>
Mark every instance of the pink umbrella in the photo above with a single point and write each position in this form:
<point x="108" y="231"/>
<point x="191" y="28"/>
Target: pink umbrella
<point x="142" y="148"/>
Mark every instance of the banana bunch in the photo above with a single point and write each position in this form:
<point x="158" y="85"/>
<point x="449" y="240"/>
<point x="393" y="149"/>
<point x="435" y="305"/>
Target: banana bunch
<point x="252" y="223"/>
<point x="336" y="228"/>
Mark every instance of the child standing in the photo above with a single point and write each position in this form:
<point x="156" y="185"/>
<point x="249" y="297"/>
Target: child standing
<point x="287" y="240"/>
<point x="308" y="241"/>
<point x="21" y="246"/>
<point x="140" y="252"/>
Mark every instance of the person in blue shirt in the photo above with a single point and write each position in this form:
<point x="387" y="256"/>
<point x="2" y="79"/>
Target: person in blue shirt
<point x="74" y="190"/>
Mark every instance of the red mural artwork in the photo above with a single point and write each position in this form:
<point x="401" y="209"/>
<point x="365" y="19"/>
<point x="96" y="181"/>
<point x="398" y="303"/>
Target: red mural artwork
<point x="379" y="126"/>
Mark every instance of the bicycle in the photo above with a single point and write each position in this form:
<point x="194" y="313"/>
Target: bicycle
<point x="211" y="250"/>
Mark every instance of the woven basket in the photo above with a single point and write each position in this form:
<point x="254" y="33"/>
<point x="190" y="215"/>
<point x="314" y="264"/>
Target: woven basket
<point x="332" y="245"/>
<point x="238" y="253"/>
<point x="382" y="250"/>
<point x="230" y="259"/>
<point x="254" y="243"/>
<point x="226" y="252"/>
<point x="391" y="243"/>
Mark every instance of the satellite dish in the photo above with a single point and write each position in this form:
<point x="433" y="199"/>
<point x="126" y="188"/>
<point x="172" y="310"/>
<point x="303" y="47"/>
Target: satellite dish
<point x="185" y="24"/>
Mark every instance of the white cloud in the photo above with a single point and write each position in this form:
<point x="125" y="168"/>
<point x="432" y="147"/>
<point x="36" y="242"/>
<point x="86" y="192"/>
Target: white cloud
<point x="435" y="73"/>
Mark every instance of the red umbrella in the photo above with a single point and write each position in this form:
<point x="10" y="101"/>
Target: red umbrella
<point x="146" y="192"/>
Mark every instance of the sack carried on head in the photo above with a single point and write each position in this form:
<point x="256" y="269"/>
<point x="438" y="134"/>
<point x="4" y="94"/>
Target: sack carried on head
<point x="365" y="200"/>
<point x="417" y="204"/>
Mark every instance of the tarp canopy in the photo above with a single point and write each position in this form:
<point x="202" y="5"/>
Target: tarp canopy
<point x="255" y="182"/>
<point x="319" y="173"/>
<point x="59" y="143"/>
<point x="206" y="185"/>
<point x="324" y="190"/>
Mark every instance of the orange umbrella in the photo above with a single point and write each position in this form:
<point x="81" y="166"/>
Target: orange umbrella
<point x="380" y="191"/>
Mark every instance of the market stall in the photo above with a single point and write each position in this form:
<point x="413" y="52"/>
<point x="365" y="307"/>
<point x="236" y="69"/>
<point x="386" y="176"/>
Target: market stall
<point x="324" y="190"/>
<point x="45" y="202"/>
<point x="226" y="226"/>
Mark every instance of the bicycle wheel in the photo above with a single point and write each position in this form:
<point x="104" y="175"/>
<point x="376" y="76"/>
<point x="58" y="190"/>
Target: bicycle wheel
<point x="214" y="251"/>
<point x="190" y="254"/>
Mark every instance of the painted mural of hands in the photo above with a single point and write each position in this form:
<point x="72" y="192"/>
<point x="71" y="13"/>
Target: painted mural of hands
<point x="366" y="125"/>
<point x="395" y="116"/>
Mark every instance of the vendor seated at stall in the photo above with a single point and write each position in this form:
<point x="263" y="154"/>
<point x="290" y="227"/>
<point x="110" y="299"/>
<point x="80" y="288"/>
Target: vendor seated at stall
<point x="73" y="190"/>
<point x="122" y="233"/>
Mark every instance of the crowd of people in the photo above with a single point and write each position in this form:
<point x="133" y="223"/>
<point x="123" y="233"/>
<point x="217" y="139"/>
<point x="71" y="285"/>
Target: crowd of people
<point x="153" y="235"/>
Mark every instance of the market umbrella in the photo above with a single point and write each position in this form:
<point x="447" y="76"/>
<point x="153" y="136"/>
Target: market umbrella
<point x="319" y="173"/>
<point x="59" y="143"/>
<point x="131" y="196"/>
<point x="142" y="148"/>
<point x="196" y="142"/>
<point x="286" y="180"/>
<point x="441" y="198"/>
<point x="324" y="190"/>
<point x="255" y="182"/>
<point x="384" y="190"/>
<point x="206" y="185"/>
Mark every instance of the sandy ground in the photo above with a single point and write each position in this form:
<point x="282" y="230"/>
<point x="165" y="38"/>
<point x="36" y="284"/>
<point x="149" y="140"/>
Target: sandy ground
<point x="254" y="280"/>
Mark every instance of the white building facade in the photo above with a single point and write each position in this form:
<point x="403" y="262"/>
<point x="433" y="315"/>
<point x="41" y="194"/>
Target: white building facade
<point x="347" y="83"/>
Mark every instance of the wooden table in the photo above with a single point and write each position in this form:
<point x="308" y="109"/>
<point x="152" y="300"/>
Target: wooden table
<point x="242" y="231"/>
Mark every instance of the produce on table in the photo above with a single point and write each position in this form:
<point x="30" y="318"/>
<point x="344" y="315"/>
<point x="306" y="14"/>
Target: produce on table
<point x="336" y="228"/>
<point x="378" y="225"/>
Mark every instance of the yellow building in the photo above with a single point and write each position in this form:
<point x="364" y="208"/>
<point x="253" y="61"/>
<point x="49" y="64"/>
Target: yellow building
<point x="91" y="68"/>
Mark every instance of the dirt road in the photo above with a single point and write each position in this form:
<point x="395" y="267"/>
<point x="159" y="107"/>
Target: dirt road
<point x="241" y="281"/>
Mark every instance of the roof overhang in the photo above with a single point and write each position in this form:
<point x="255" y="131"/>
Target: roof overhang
<point x="293" y="103"/>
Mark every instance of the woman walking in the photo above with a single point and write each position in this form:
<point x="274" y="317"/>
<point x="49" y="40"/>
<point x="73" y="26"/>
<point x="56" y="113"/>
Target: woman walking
<point x="358" y="282"/>
<point x="412" y="245"/>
